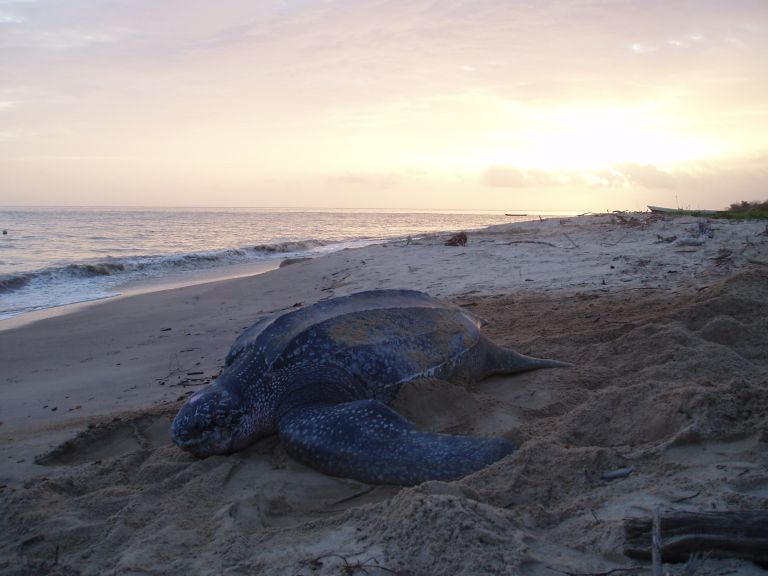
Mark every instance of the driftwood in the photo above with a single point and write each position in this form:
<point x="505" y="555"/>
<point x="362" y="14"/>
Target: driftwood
<point x="289" y="261"/>
<point x="656" y="543"/>
<point x="626" y="219"/>
<point x="459" y="239"/>
<point x="723" y="534"/>
<point x="617" y="474"/>
<point x="531" y="242"/>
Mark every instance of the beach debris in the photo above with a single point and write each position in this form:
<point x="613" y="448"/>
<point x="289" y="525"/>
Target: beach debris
<point x="571" y="240"/>
<point x="616" y="571"/>
<point x="656" y="561"/>
<point x="533" y="242"/>
<point x="626" y="219"/>
<point x="686" y="498"/>
<point x="459" y="239"/>
<point x="166" y="329"/>
<point x="346" y="565"/>
<point x="704" y="228"/>
<point x="620" y="240"/>
<point x="695" y="561"/>
<point x="723" y="256"/>
<point x="33" y="564"/>
<point x="666" y="239"/>
<point x="335" y="282"/>
<point x="732" y="534"/>
<point x="690" y="241"/>
<point x="617" y="474"/>
<point x="698" y="235"/>
<point x="355" y="496"/>
<point x="289" y="261"/>
<point x="5" y="232"/>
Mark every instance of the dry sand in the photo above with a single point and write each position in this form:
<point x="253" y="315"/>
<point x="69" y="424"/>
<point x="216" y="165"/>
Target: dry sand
<point x="670" y="342"/>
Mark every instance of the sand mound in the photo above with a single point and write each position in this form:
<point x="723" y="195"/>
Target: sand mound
<point x="673" y="386"/>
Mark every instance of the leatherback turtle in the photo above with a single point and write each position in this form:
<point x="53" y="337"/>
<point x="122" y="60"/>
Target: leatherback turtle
<point x="321" y="378"/>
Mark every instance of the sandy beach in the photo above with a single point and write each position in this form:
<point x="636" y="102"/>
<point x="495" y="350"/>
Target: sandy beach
<point x="664" y="318"/>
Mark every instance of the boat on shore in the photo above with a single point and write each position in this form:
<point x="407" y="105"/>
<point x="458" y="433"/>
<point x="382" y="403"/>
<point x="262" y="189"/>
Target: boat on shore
<point x="681" y="212"/>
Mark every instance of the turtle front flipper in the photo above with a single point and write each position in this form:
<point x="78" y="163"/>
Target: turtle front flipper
<point x="368" y="441"/>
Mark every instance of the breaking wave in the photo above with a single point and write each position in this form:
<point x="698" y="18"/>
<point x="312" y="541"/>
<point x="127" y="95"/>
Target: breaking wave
<point x="150" y="266"/>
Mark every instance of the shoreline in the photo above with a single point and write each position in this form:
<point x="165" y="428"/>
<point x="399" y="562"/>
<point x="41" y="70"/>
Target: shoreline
<point x="146" y="286"/>
<point x="214" y="250"/>
<point x="664" y="335"/>
<point x="183" y="278"/>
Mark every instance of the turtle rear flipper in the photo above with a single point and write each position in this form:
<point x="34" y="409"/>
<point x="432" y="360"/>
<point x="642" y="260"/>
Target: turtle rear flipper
<point x="368" y="441"/>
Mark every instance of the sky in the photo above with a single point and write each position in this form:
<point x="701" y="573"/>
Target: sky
<point x="584" y="105"/>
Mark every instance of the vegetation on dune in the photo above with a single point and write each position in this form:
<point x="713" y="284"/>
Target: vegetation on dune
<point x="746" y="209"/>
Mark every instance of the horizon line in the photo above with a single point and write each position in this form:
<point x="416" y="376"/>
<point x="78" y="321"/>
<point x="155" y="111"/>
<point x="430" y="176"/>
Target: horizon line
<point x="309" y="208"/>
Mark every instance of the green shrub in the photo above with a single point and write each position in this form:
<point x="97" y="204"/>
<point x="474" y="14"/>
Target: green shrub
<point x="745" y="206"/>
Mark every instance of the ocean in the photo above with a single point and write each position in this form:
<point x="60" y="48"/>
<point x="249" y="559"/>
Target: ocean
<point x="52" y="257"/>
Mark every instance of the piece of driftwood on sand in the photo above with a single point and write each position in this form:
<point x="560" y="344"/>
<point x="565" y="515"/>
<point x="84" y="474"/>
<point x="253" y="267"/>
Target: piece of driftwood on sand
<point x="459" y="239"/>
<point x="740" y="534"/>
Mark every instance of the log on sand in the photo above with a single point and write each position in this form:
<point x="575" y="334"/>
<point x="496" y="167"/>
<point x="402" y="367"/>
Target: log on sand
<point x="742" y="534"/>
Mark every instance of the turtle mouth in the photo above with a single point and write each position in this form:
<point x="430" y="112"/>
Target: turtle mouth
<point x="188" y="434"/>
<point x="203" y="443"/>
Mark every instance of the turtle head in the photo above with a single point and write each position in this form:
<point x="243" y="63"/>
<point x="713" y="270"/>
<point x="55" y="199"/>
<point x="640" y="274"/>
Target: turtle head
<point x="215" y="420"/>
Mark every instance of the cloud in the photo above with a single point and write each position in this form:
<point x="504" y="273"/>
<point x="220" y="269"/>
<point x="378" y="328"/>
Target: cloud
<point x="63" y="39"/>
<point x="71" y="158"/>
<point x="646" y="175"/>
<point x="8" y="18"/>
<point x="230" y="36"/>
<point x="744" y="179"/>
<point x="642" y="48"/>
<point x="72" y="39"/>
<point x="513" y="177"/>
<point x="369" y="180"/>
<point x="9" y="135"/>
